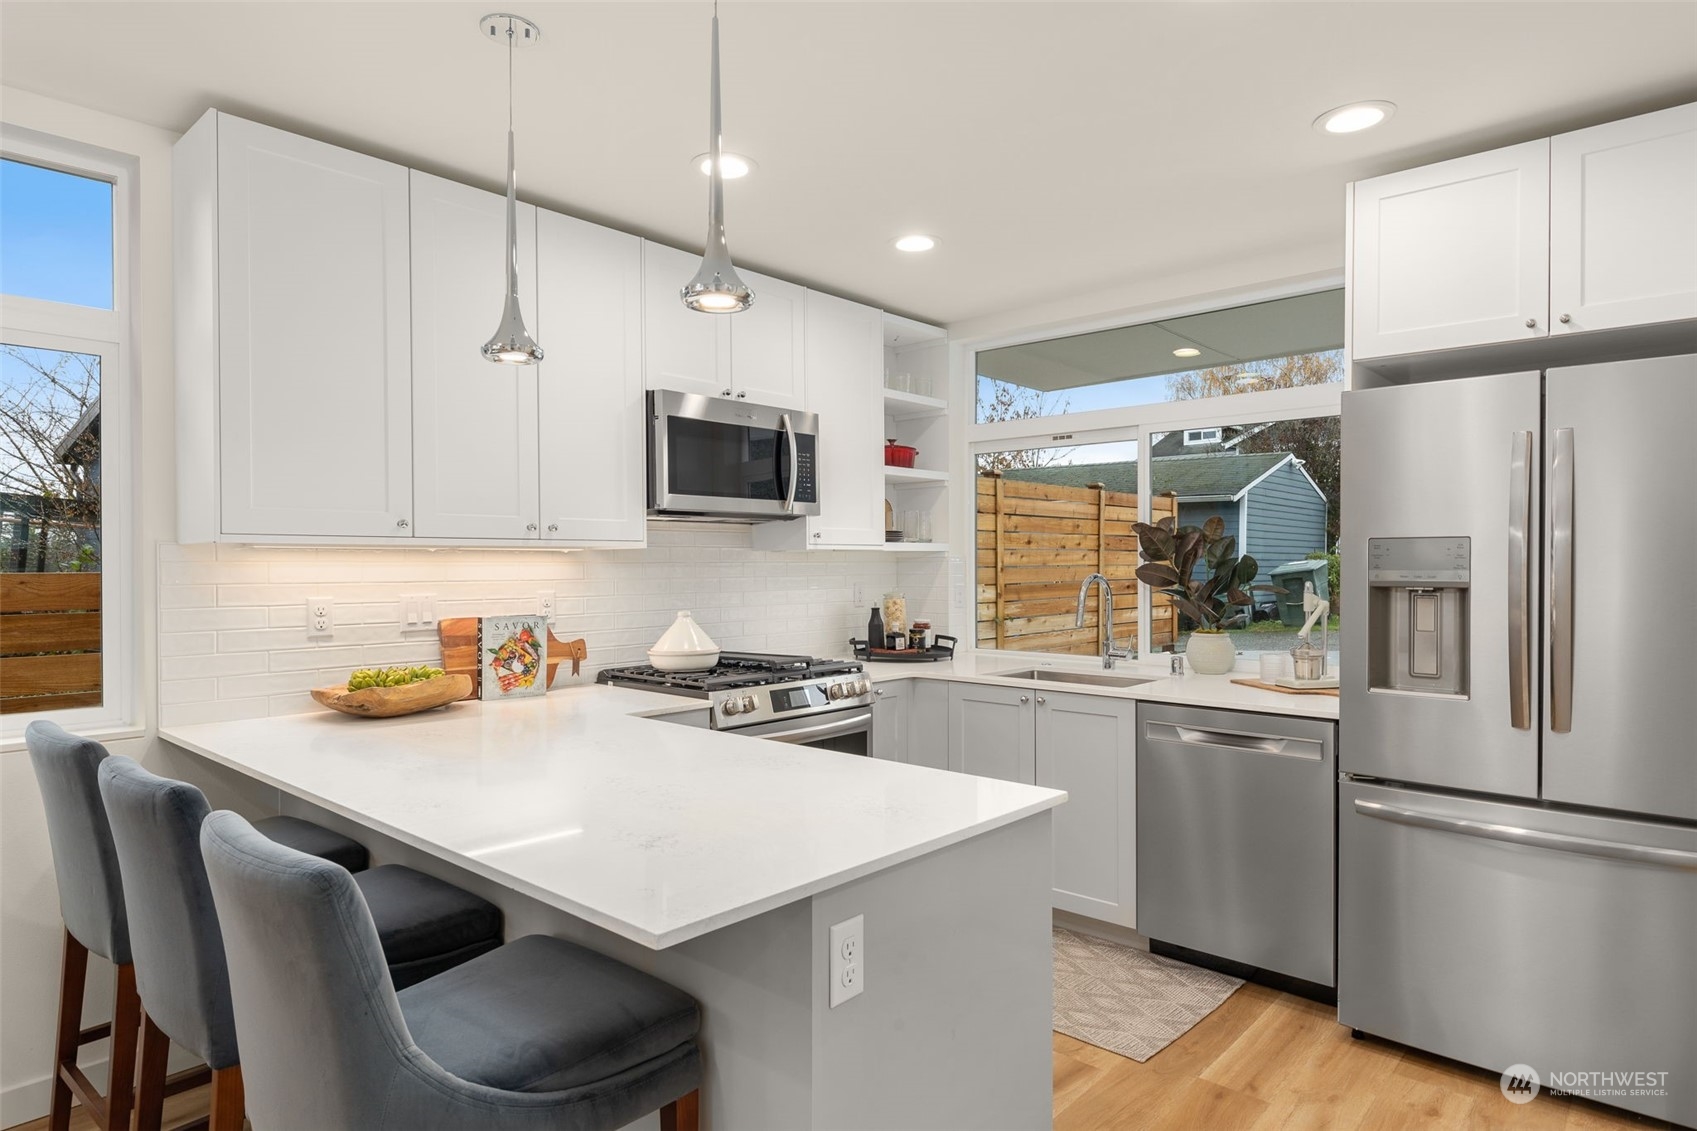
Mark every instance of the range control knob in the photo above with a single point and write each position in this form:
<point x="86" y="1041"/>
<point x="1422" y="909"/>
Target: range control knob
<point x="837" y="691"/>
<point x="861" y="687"/>
<point x="731" y="706"/>
<point x="748" y="704"/>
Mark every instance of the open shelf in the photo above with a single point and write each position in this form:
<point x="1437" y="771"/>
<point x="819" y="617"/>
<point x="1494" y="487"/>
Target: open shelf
<point x="909" y="406"/>
<point x="900" y="475"/>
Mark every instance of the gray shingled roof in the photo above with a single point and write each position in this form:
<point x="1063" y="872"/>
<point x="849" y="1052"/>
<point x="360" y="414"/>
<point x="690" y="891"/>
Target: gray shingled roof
<point x="1188" y="477"/>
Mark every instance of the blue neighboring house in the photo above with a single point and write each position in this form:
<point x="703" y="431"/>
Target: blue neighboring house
<point x="1276" y="511"/>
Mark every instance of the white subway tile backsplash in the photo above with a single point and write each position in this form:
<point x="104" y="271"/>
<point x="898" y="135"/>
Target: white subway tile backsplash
<point x="232" y="623"/>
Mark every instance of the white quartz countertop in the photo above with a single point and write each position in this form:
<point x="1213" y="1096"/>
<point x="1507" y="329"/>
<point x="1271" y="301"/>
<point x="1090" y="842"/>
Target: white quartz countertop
<point x="654" y="831"/>
<point x="1189" y="690"/>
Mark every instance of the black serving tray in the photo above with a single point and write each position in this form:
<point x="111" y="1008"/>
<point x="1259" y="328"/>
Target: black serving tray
<point x="942" y="649"/>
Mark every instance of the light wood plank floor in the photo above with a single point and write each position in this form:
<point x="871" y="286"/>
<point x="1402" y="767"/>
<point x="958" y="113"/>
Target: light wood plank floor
<point x="1263" y="1060"/>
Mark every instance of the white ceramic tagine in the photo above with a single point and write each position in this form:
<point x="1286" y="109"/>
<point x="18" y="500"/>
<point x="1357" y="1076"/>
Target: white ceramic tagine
<point x="684" y="647"/>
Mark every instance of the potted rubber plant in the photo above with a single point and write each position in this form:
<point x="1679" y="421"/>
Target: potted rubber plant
<point x="1170" y="556"/>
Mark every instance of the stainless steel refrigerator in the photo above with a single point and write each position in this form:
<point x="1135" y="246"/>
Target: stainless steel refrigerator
<point x="1517" y="804"/>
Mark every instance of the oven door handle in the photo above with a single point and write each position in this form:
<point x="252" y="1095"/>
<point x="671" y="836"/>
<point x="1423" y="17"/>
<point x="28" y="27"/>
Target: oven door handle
<point x="789" y="434"/>
<point x="834" y="729"/>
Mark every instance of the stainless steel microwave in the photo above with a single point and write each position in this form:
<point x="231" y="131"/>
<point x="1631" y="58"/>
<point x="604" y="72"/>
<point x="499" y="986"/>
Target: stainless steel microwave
<point x="718" y="458"/>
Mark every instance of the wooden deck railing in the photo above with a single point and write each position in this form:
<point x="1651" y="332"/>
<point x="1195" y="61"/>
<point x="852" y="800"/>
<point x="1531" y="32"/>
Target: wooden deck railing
<point x="1036" y="543"/>
<point x="49" y="641"/>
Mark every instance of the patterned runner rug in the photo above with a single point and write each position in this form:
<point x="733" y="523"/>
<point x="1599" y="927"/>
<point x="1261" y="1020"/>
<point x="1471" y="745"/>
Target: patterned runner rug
<point x="1127" y="1000"/>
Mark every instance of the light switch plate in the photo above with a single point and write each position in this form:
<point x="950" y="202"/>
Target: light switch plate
<point x="847" y="964"/>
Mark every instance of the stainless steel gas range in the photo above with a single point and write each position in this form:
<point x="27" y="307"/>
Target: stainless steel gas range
<point x="796" y="699"/>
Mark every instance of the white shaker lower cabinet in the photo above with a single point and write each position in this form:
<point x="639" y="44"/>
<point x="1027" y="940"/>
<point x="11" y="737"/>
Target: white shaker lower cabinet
<point x="590" y="399"/>
<point x="1087" y="745"/>
<point x="991" y="732"/>
<point x="844" y="360"/>
<point x="890" y="733"/>
<point x="294" y="373"/>
<point x="928" y="724"/>
<point x="474" y="421"/>
<point x="1453" y="254"/>
<point x="1623" y="223"/>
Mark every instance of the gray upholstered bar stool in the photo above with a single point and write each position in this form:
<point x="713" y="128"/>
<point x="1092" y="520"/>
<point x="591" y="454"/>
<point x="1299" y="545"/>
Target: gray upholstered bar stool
<point x="538" y="1034"/>
<point x="91" y="902"/>
<point x="425" y="926"/>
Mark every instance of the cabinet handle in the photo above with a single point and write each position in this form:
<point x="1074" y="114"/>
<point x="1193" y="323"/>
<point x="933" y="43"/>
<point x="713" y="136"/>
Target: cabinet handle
<point x="402" y="524"/>
<point x="1025" y="698"/>
<point x="1531" y="323"/>
<point x="1566" y="318"/>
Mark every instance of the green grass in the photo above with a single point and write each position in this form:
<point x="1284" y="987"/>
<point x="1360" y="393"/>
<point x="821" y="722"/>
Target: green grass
<point x="1276" y="625"/>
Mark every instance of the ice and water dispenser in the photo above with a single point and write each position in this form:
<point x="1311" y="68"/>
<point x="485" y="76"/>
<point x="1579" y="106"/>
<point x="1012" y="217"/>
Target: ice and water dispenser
<point x="1417" y="614"/>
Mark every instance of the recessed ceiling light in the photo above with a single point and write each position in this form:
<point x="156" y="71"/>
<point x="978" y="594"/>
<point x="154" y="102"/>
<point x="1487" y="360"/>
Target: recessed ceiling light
<point x="1354" y="117"/>
<point x="915" y="242"/>
<point x="1187" y="351"/>
<point x="736" y="165"/>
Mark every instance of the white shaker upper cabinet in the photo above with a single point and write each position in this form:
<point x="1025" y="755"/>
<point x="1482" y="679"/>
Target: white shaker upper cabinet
<point x="313" y="374"/>
<point x="1453" y="254"/>
<point x="683" y="349"/>
<point x="474" y="421"/>
<point x="1623" y="223"/>
<point x="767" y="358"/>
<point x="590" y="395"/>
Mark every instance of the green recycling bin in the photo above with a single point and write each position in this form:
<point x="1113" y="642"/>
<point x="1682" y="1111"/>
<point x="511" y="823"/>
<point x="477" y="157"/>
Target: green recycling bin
<point x="1291" y="577"/>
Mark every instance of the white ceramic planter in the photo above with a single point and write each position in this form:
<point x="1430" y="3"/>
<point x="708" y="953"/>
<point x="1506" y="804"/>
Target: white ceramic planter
<point x="1211" y="653"/>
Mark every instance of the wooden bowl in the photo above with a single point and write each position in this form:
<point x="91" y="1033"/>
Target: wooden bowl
<point x="388" y="702"/>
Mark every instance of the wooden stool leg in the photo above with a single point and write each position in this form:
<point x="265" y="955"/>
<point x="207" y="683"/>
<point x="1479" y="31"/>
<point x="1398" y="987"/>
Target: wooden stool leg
<point x="229" y="1105"/>
<point x="73" y="979"/>
<point x="150" y="1075"/>
<point x="682" y="1114"/>
<point x="126" y="1027"/>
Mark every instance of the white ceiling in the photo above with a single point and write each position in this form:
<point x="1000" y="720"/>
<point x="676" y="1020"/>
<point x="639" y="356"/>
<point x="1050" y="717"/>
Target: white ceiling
<point x="1056" y="148"/>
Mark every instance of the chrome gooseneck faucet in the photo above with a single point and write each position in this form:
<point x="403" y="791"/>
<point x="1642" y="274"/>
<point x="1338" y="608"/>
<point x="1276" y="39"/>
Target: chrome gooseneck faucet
<point x="1109" y="652"/>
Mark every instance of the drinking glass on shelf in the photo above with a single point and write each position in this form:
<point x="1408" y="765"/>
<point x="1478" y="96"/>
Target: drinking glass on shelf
<point x="900" y="382"/>
<point x="920" y="383"/>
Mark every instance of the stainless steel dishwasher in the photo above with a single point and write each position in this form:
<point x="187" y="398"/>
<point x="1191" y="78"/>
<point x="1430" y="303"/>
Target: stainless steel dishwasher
<point x="1235" y="837"/>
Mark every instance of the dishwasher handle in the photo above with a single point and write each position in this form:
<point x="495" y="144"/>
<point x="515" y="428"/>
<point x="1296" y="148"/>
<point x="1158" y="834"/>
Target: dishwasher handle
<point x="1245" y="742"/>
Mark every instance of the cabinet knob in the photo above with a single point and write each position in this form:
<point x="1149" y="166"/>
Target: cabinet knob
<point x="531" y="526"/>
<point x="1531" y="323"/>
<point x="741" y="395"/>
<point x="402" y="524"/>
<point x="553" y="527"/>
<point x="878" y="693"/>
<point x="726" y="393"/>
<point x="1566" y="318"/>
<point x="1041" y="700"/>
<point x="1025" y="698"/>
<point x="817" y="535"/>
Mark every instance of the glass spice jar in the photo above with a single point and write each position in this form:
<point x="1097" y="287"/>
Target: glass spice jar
<point x="918" y="634"/>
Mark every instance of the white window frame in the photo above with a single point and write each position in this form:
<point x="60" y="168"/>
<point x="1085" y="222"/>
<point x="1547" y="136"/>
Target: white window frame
<point x="109" y="334"/>
<point x="1141" y="423"/>
<point x="1194" y="436"/>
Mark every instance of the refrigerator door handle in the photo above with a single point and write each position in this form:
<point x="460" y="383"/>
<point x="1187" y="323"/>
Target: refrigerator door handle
<point x="1561" y="581"/>
<point x="1531" y="838"/>
<point x="1519" y="582"/>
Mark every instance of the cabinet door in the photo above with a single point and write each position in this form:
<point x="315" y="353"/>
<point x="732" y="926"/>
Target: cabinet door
<point x="845" y="353"/>
<point x="767" y="355"/>
<point x="590" y="414"/>
<point x="1623" y="223"/>
<point x="474" y="422"/>
<point x="1087" y="745"/>
<point x="682" y="349"/>
<point x="928" y="724"/>
<point x="314" y="373"/>
<point x="1453" y="254"/>
<point x="990" y="732"/>
<point x="890" y="720"/>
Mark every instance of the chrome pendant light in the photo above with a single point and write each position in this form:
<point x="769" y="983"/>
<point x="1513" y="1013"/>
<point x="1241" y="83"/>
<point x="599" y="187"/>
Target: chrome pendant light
<point x="716" y="289"/>
<point x="512" y="343"/>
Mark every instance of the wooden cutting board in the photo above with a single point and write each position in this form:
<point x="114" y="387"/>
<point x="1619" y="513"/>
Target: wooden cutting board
<point x="1332" y="691"/>
<point x="459" y="651"/>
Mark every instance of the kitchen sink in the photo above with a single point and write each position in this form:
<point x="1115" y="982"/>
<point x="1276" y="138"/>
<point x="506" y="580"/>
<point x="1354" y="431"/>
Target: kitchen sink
<point x="1093" y="679"/>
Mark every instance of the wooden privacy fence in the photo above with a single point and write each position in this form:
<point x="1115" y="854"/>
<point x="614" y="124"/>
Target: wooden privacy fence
<point x="49" y="641"/>
<point x="1037" y="542"/>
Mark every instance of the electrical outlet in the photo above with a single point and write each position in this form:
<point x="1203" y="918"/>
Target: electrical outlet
<point x="859" y="595"/>
<point x="847" y="965"/>
<point x="418" y="611"/>
<point x="320" y="617"/>
<point x="545" y="604"/>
